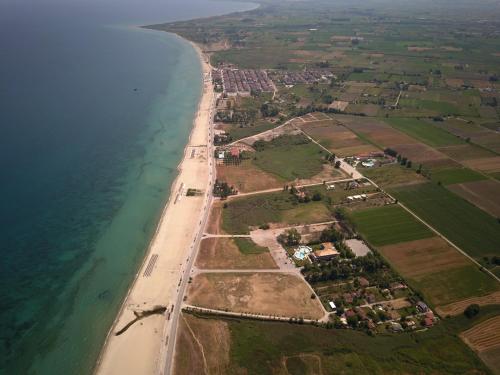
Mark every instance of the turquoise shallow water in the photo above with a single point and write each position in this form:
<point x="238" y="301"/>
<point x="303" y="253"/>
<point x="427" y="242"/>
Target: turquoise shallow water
<point x="94" y="117"/>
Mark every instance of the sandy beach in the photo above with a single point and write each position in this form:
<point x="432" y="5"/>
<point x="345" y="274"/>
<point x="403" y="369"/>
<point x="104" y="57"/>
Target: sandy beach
<point x="141" y="348"/>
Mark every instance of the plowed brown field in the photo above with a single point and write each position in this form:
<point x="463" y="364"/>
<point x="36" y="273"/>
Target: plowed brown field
<point x="459" y="307"/>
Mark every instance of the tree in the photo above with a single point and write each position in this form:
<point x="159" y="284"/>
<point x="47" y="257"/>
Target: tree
<point x="408" y="164"/>
<point x="337" y="164"/>
<point x="330" y="235"/>
<point x="290" y="237"/>
<point x="327" y="99"/>
<point x="353" y="321"/>
<point x="471" y="310"/>
<point x="317" y="196"/>
<point x="268" y="110"/>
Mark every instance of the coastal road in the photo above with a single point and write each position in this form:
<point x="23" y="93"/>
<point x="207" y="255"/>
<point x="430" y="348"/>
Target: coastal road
<point x="167" y="369"/>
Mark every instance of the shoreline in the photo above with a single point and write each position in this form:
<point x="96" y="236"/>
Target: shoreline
<point x="147" y="291"/>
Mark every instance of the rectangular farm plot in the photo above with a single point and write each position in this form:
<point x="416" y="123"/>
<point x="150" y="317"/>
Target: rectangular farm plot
<point x="438" y="271"/>
<point x="467" y="226"/>
<point x="335" y="137"/>
<point x="417" y="258"/>
<point x="455" y="284"/>
<point x="375" y="131"/>
<point x="388" y="225"/>
<point x="449" y="176"/>
<point x="484" y="339"/>
<point x="289" y="157"/>
<point x="246" y="177"/>
<point x="424" y="131"/>
<point x="466" y="152"/>
<point x="229" y="253"/>
<point x="457" y="308"/>
<point x="393" y="174"/>
<point x="256" y="293"/>
<point x="487" y="165"/>
<point x="421" y="153"/>
<point x="241" y="214"/>
<point x="482" y="194"/>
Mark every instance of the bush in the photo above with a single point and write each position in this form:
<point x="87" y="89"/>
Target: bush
<point x="316" y="197"/>
<point x="471" y="310"/>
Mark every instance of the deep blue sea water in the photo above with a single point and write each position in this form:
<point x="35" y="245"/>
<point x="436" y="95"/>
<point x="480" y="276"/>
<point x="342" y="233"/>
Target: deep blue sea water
<point x="94" y="116"/>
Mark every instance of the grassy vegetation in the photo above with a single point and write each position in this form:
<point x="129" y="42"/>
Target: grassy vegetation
<point x="392" y="174"/>
<point x="467" y="226"/>
<point x="424" y="131"/>
<point x="388" y="225"/>
<point x="236" y="132"/>
<point x="455" y="284"/>
<point x="455" y="176"/>
<point x="256" y="210"/>
<point x="247" y="246"/>
<point x="290" y="157"/>
<point x="259" y="347"/>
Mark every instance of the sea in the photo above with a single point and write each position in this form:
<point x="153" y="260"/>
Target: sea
<point x="94" y="115"/>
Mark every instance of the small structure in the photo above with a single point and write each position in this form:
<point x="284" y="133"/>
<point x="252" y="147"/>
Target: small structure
<point x="330" y="186"/>
<point x="363" y="282"/>
<point x="428" y="322"/>
<point x="397" y="286"/>
<point x="422" y="307"/>
<point x="350" y="313"/>
<point x="396" y="327"/>
<point x="368" y="163"/>
<point x="328" y="252"/>
<point x="302" y="252"/>
<point x="332" y="305"/>
<point x="348" y="298"/>
<point x="235" y="152"/>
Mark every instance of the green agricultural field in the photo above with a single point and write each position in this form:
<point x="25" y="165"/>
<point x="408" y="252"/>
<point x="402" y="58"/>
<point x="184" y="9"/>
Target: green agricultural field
<point x="456" y="176"/>
<point x="388" y="225"/>
<point x="392" y="174"/>
<point x="289" y="157"/>
<point x="263" y="348"/>
<point x="453" y="285"/>
<point x="431" y="107"/>
<point x="470" y="228"/>
<point x="283" y="207"/>
<point x="424" y="131"/>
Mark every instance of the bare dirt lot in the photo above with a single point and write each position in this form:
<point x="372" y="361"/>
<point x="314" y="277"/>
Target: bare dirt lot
<point x="257" y="293"/>
<point x="246" y="177"/>
<point x="457" y="308"/>
<point x="484" y="338"/>
<point x="202" y="346"/>
<point x="215" y="219"/>
<point x="483" y="194"/>
<point x="218" y="253"/>
<point x="421" y="257"/>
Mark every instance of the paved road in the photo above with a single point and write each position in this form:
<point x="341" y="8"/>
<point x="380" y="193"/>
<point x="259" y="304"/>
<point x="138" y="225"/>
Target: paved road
<point x="175" y="314"/>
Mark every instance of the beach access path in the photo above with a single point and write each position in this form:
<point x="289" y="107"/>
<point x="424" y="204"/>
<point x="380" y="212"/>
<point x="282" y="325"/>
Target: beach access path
<point x="141" y="348"/>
